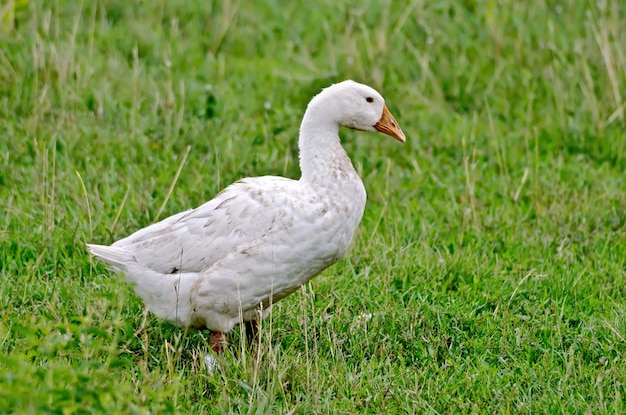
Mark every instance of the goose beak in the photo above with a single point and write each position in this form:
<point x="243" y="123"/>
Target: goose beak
<point x="388" y="125"/>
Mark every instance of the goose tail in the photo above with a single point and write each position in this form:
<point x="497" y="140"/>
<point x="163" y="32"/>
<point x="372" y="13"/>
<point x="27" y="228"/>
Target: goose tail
<point x="168" y="296"/>
<point x="118" y="258"/>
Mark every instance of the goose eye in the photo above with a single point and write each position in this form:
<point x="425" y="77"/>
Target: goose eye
<point x="369" y="99"/>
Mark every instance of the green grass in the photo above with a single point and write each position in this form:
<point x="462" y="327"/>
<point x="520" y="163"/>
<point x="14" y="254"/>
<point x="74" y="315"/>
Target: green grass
<point x="492" y="254"/>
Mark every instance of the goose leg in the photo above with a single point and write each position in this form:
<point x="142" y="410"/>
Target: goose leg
<point x="252" y="332"/>
<point x="217" y="341"/>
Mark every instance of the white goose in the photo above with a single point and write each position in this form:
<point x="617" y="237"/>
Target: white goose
<point x="227" y="261"/>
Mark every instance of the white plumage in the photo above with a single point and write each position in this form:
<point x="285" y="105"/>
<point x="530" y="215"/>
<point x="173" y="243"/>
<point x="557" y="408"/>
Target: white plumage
<point x="261" y="238"/>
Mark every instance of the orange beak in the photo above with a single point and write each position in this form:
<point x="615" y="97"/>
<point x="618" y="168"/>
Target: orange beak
<point x="388" y="125"/>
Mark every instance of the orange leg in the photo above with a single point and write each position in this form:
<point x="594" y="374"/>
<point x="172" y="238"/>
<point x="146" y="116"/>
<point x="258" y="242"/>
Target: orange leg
<point x="217" y="341"/>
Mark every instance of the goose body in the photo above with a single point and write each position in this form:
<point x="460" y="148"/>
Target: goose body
<point x="261" y="238"/>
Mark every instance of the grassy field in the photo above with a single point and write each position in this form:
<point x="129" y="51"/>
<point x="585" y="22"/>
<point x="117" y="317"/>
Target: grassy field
<point x="489" y="273"/>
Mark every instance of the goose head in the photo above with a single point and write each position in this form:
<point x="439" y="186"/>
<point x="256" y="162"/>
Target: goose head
<point x="357" y="106"/>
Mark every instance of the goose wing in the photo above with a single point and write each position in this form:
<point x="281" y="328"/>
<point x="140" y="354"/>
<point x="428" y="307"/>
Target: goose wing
<point x="194" y="240"/>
